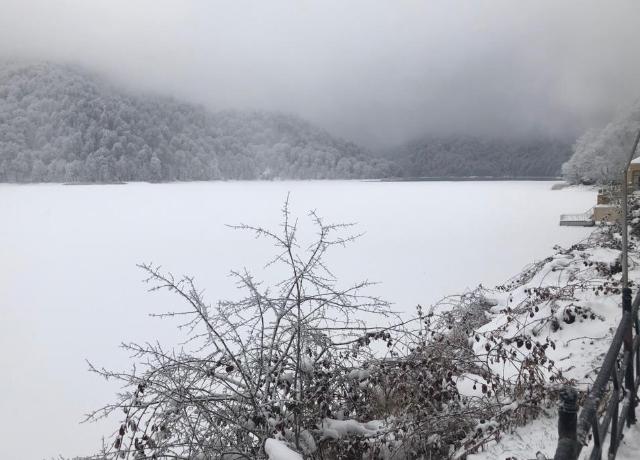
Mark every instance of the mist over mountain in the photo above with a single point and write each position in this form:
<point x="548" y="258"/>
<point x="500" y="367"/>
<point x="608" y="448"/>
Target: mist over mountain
<point x="464" y="156"/>
<point x="58" y="123"/>
<point x="600" y="155"/>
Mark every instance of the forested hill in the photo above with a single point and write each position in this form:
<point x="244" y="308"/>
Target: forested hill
<point x="601" y="154"/>
<point x="59" y="123"/>
<point x="464" y="156"/>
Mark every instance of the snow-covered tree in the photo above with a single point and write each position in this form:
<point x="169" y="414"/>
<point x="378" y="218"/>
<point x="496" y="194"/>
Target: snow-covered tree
<point x="600" y="155"/>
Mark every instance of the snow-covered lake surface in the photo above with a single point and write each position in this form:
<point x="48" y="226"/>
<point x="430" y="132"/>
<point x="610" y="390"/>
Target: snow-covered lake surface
<point x="70" y="289"/>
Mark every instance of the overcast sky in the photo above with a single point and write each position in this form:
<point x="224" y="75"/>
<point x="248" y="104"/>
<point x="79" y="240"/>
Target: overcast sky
<point x="377" y="72"/>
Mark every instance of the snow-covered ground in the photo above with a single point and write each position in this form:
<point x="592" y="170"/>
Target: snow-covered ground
<point x="69" y="288"/>
<point x="580" y="313"/>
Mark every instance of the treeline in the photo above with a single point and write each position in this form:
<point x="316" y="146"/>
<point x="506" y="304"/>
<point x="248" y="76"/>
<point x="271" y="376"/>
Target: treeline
<point x="61" y="124"/>
<point x="601" y="154"/>
<point x="464" y="156"/>
<point x="58" y="123"/>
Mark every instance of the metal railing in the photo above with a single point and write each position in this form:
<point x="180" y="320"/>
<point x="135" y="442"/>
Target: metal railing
<point x="605" y="412"/>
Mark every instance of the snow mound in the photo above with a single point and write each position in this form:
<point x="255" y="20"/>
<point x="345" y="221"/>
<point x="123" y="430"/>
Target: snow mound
<point x="278" y="450"/>
<point x="336" y="429"/>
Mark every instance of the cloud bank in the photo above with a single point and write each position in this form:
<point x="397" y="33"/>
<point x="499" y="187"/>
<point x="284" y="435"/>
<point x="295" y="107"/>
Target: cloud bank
<point x="376" y="72"/>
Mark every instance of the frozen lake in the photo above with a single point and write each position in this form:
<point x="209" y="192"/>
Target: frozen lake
<point x="70" y="289"/>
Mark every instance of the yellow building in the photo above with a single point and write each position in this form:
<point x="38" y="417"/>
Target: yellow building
<point x="606" y="213"/>
<point x="633" y="175"/>
<point x="607" y="205"/>
<point x="607" y="208"/>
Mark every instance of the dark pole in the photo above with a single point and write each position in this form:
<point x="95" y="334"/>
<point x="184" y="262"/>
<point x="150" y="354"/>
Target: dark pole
<point x="567" y="425"/>
<point x="626" y="292"/>
<point x="629" y="380"/>
<point x="625" y="259"/>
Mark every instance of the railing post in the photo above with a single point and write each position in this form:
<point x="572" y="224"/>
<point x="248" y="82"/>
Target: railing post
<point x="567" y="425"/>
<point x="615" y="397"/>
<point x="636" y="324"/>
<point x="629" y="379"/>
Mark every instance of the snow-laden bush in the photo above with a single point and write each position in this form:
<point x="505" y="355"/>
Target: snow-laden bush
<point x="274" y="364"/>
<point x="297" y="369"/>
<point x="600" y="155"/>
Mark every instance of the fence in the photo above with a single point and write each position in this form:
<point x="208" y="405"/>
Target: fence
<point x="604" y="411"/>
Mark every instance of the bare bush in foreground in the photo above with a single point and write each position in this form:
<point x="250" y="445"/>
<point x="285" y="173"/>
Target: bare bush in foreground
<point x="303" y="365"/>
<point x="268" y="365"/>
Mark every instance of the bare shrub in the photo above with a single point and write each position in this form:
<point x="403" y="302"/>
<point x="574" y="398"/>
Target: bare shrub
<point x="272" y="364"/>
<point x="303" y="362"/>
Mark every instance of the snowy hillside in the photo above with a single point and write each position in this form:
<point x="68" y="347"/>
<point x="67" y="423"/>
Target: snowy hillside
<point x="600" y="154"/>
<point x="59" y="123"/>
<point x="459" y="156"/>
<point x="572" y="301"/>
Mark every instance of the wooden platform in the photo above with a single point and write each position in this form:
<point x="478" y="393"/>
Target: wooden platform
<point x="577" y="220"/>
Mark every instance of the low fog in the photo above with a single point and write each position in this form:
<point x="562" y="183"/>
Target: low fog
<point x="375" y="72"/>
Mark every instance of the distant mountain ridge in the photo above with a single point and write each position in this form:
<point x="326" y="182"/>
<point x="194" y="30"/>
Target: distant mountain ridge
<point x="467" y="156"/>
<point x="59" y="123"/>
